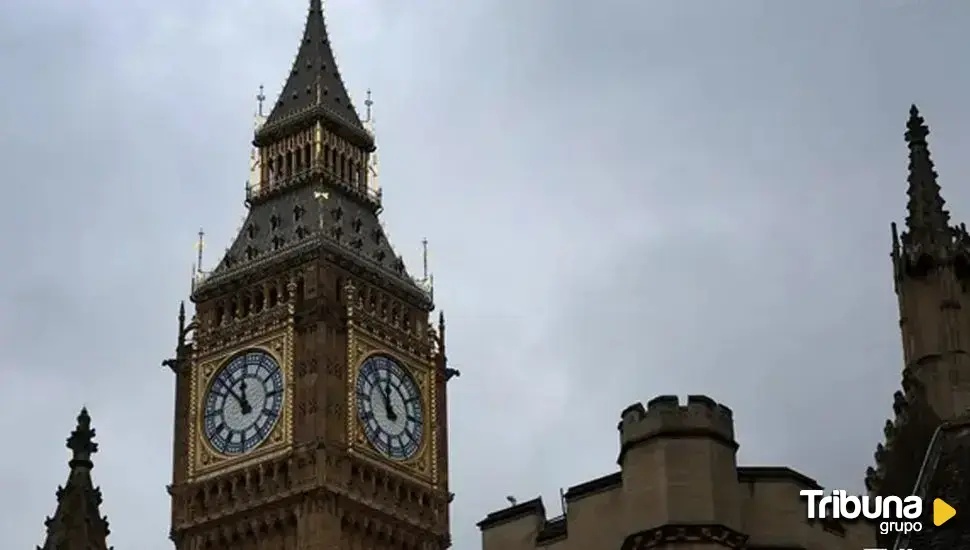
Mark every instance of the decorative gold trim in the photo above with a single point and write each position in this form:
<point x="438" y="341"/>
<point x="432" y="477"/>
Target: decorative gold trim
<point x="426" y="407"/>
<point x="204" y="460"/>
<point x="360" y="346"/>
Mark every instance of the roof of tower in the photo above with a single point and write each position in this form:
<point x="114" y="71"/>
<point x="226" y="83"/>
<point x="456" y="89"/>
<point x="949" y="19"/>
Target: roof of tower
<point x="77" y="523"/>
<point x="927" y="220"/>
<point x="314" y="211"/>
<point x="314" y="88"/>
<point x="306" y="219"/>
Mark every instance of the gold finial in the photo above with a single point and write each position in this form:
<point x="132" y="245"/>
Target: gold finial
<point x="369" y="103"/>
<point x="260" y="98"/>
<point x="321" y="196"/>
<point x="319" y="91"/>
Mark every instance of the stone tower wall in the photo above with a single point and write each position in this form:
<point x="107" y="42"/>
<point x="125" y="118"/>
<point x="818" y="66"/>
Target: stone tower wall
<point x="678" y="464"/>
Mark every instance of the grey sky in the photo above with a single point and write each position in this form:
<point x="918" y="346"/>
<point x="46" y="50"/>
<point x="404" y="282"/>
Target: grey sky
<point x="623" y="199"/>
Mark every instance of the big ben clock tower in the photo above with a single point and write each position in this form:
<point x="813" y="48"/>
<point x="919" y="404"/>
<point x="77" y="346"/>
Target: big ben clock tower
<point x="310" y="408"/>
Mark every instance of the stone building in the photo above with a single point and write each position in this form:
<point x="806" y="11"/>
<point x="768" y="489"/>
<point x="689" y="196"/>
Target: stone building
<point x="679" y="484"/>
<point x="311" y="386"/>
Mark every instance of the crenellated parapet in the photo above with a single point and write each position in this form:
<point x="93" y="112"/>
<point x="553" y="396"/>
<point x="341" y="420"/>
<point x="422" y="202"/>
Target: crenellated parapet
<point x="665" y="416"/>
<point x="678" y="487"/>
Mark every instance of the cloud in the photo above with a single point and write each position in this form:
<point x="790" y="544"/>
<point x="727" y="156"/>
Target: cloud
<point x="623" y="199"/>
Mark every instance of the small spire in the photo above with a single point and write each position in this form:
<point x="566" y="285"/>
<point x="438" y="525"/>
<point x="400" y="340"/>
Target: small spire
<point x="369" y="105"/>
<point x="927" y="220"/>
<point x="77" y="522"/>
<point x="199" y="247"/>
<point x="175" y="363"/>
<point x="81" y="443"/>
<point x="260" y="98"/>
<point x="424" y="256"/>
<point x="182" y="328"/>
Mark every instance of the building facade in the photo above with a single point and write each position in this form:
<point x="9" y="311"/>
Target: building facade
<point x="679" y="484"/>
<point x="311" y="384"/>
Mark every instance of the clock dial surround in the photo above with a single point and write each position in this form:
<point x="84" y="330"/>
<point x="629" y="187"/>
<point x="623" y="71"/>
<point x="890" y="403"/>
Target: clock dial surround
<point x="243" y="403"/>
<point x="390" y="407"/>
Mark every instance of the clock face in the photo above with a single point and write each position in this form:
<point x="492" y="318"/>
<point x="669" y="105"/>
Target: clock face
<point x="243" y="403"/>
<point x="389" y="407"/>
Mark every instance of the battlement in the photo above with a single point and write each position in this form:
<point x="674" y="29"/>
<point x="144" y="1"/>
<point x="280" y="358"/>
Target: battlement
<point x="665" y="417"/>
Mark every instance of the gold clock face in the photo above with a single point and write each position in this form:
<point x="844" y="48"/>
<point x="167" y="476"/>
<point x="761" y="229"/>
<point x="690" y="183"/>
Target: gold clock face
<point x="390" y="407"/>
<point x="243" y="403"/>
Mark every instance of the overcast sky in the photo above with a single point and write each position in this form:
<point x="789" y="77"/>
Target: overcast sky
<point x="623" y="199"/>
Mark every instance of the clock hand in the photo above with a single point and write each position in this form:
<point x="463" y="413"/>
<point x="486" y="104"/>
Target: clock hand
<point x="388" y="408"/>
<point x="232" y="392"/>
<point x="243" y="402"/>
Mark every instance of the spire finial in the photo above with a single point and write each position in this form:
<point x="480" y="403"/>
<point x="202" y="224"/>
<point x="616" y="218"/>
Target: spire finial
<point x="81" y="443"/>
<point x="260" y="98"/>
<point x="927" y="220"/>
<point x="368" y="104"/>
<point x="424" y="256"/>
<point x="199" y="247"/>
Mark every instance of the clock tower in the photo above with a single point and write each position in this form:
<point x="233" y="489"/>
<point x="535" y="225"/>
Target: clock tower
<point x="310" y="408"/>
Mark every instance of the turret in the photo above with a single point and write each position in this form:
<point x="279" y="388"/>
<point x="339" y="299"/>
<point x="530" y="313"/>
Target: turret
<point x="678" y="463"/>
<point x="77" y="523"/>
<point x="931" y="273"/>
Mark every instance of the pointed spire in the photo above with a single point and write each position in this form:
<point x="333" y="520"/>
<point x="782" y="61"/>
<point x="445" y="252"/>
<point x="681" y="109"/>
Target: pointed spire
<point x="81" y="442"/>
<point x="260" y="98"/>
<point x="314" y="85"/>
<point x="927" y="220"/>
<point x="77" y="523"/>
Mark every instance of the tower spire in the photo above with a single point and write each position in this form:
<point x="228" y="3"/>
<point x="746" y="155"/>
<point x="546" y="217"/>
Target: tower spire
<point x="77" y="523"/>
<point x="314" y="88"/>
<point x="927" y="221"/>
